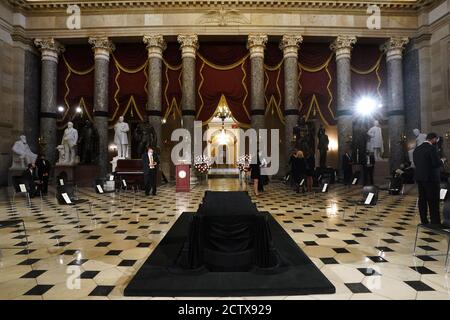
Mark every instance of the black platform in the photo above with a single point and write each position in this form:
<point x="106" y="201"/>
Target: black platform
<point x="297" y="275"/>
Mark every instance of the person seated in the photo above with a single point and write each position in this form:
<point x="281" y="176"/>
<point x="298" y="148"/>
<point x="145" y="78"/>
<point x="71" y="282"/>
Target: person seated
<point x="31" y="180"/>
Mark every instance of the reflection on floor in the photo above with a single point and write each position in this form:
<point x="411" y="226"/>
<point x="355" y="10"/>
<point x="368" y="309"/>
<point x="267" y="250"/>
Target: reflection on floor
<point x="107" y="247"/>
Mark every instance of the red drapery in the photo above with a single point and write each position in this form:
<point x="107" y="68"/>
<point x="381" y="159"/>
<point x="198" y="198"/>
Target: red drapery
<point x="222" y="69"/>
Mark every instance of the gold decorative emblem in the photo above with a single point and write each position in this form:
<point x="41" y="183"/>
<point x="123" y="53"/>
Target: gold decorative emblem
<point x="223" y="17"/>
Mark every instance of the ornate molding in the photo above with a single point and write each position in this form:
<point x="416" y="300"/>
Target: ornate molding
<point x="170" y="4"/>
<point x="394" y="47"/>
<point x="155" y="45"/>
<point x="50" y="48"/>
<point x="102" y="47"/>
<point x="223" y="17"/>
<point x="188" y="45"/>
<point x="290" y="44"/>
<point x="256" y="44"/>
<point x="343" y="46"/>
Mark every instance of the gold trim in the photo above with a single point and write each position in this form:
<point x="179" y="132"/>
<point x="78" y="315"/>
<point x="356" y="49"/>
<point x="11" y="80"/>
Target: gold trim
<point x="368" y="71"/>
<point x="315" y="104"/>
<point x="226" y="67"/>
<point x="198" y="90"/>
<point x="316" y="69"/>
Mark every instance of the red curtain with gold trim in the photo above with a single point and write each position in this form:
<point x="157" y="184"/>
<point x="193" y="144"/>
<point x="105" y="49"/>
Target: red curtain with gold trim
<point x="223" y="69"/>
<point x="75" y="82"/>
<point x="171" y="81"/>
<point x="274" y="80"/>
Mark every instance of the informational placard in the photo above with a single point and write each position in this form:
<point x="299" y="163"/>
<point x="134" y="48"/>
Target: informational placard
<point x="111" y="178"/>
<point x="99" y="188"/>
<point x="61" y="182"/>
<point x="325" y="187"/>
<point x="302" y="182"/>
<point x="66" y="198"/>
<point x="443" y="194"/>
<point x="369" y="198"/>
<point x="355" y="181"/>
<point x="124" y="183"/>
<point x="22" y="188"/>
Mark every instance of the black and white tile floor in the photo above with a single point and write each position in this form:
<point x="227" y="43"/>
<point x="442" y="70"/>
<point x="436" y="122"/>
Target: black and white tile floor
<point x="366" y="257"/>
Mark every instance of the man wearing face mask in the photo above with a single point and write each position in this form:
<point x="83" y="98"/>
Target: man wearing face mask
<point x="150" y="161"/>
<point x="427" y="175"/>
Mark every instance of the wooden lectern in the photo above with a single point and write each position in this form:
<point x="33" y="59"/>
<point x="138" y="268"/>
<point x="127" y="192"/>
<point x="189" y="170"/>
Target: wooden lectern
<point x="182" y="178"/>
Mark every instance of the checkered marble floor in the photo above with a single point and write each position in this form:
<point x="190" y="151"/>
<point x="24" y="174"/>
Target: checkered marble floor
<point x="366" y="256"/>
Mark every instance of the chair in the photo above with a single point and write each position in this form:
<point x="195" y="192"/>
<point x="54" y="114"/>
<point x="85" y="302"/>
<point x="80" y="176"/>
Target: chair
<point x="396" y="186"/>
<point x="14" y="223"/>
<point x="369" y="199"/>
<point x="444" y="230"/>
<point x="19" y="187"/>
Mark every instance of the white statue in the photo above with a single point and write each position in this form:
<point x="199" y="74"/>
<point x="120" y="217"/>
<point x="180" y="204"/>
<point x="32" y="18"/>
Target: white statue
<point x="61" y="158"/>
<point x="69" y="141"/>
<point x="22" y="154"/>
<point x="375" y="143"/>
<point x="121" y="138"/>
<point x="420" y="138"/>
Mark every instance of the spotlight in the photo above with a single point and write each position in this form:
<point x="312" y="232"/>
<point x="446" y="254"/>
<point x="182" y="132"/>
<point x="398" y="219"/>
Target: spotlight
<point x="60" y="109"/>
<point x="79" y="110"/>
<point x="163" y="120"/>
<point x="366" y="106"/>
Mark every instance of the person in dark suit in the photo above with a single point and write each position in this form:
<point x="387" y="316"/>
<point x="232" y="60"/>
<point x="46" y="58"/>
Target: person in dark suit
<point x="150" y="162"/>
<point x="347" y="167"/>
<point x="31" y="180"/>
<point x="43" y="170"/>
<point x="255" y="175"/>
<point x="368" y="164"/>
<point x="299" y="169"/>
<point x="427" y="175"/>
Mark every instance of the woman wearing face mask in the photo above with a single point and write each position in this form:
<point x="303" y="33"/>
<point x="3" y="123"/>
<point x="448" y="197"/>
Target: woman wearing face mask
<point x="255" y="175"/>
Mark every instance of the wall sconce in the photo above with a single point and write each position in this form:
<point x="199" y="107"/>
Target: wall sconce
<point x="447" y="137"/>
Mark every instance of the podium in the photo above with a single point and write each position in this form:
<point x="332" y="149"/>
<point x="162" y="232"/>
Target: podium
<point x="182" y="178"/>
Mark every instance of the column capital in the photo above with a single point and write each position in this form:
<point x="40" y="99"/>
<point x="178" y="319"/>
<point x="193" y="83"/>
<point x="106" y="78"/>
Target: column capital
<point x="50" y="48"/>
<point x="188" y="45"/>
<point x="256" y="44"/>
<point x="290" y="44"/>
<point x="102" y="47"/>
<point x="394" y="47"/>
<point x="155" y="45"/>
<point x="343" y="46"/>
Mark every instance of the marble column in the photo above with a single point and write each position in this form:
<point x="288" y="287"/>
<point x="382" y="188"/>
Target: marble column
<point x="395" y="110"/>
<point x="343" y="47"/>
<point x="188" y="46"/>
<point x="50" y="50"/>
<point x="102" y="47"/>
<point x="155" y="47"/>
<point x="256" y="44"/>
<point x="290" y="45"/>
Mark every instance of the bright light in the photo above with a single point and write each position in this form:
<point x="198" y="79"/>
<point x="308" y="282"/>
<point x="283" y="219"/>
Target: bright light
<point x="61" y="109"/>
<point x="164" y="120"/>
<point x="222" y="138"/>
<point x="78" y="110"/>
<point x="333" y="144"/>
<point x="366" y="106"/>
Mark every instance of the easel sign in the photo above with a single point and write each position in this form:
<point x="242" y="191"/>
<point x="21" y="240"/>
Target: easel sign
<point x="124" y="183"/>
<point x="111" y="178"/>
<point x="66" y="198"/>
<point x="99" y="188"/>
<point x="302" y="182"/>
<point x="325" y="188"/>
<point x="355" y="181"/>
<point x="61" y="182"/>
<point x="443" y="194"/>
<point x="22" y="188"/>
<point x="369" y="198"/>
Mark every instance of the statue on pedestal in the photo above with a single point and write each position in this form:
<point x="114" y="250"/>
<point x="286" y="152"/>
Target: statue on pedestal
<point x="121" y="138"/>
<point x="22" y="154"/>
<point x="88" y="142"/>
<point x="375" y="143"/>
<point x="69" y="142"/>
<point x="322" y="146"/>
<point x="303" y="137"/>
<point x="145" y="136"/>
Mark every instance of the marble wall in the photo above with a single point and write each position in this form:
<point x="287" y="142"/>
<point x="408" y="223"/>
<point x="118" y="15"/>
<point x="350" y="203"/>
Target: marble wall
<point x="411" y="91"/>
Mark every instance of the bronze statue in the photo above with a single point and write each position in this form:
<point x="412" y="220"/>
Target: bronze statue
<point x="88" y="143"/>
<point x="145" y="136"/>
<point x="322" y="146"/>
<point x="304" y="136"/>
